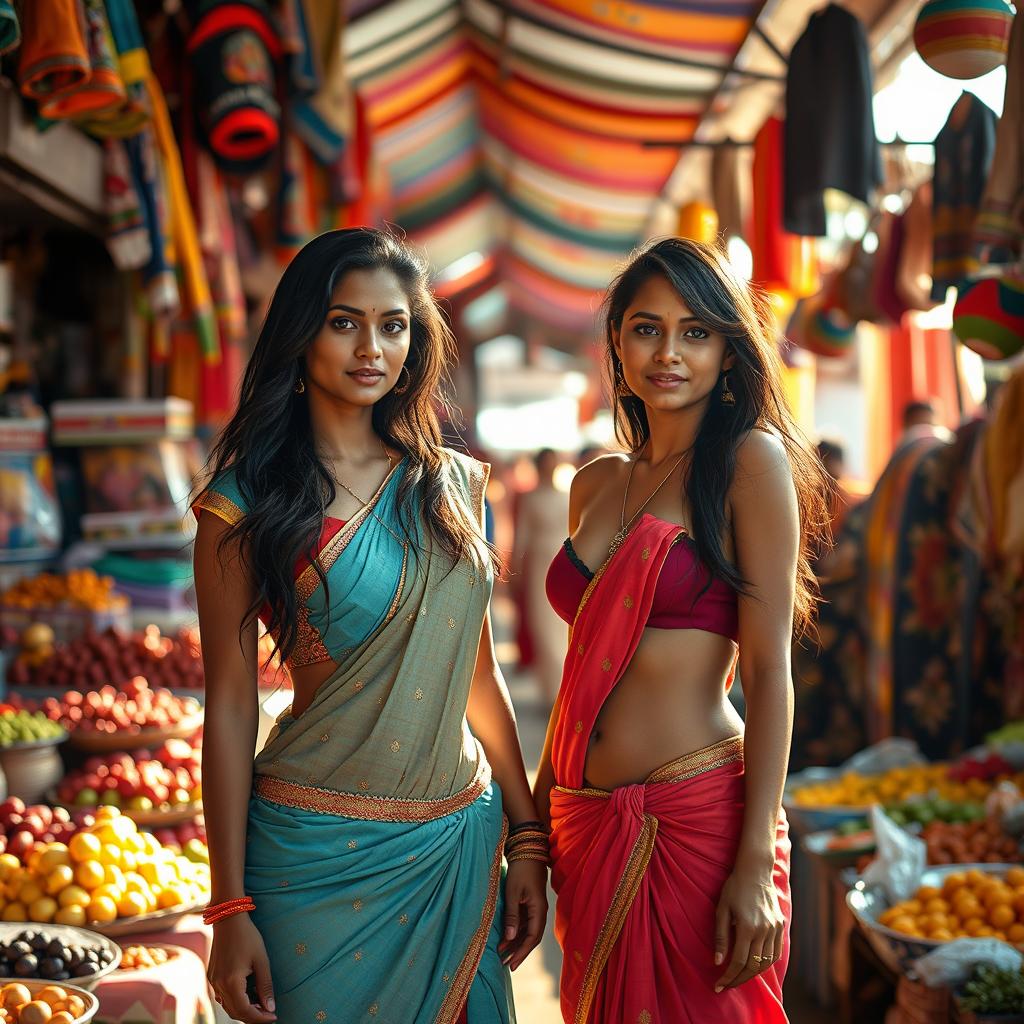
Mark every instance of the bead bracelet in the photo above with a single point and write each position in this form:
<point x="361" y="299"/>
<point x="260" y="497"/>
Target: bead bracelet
<point x="220" y="911"/>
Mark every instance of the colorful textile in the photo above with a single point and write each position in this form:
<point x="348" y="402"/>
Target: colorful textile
<point x="830" y="122"/>
<point x="637" y="879"/>
<point x="375" y="835"/>
<point x="232" y="52"/>
<point x="128" y="240"/>
<point x="783" y="262"/>
<point x="10" y="30"/>
<point x="1000" y="224"/>
<point x="53" y="57"/>
<point x="130" y="116"/>
<point x="638" y="872"/>
<point x="963" y="156"/>
<point x="103" y="91"/>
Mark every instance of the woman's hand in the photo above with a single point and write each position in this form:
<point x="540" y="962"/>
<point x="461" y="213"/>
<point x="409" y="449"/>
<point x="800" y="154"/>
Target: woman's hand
<point x="750" y="905"/>
<point x="526" y="910"/>
<point x="237" y="953"/>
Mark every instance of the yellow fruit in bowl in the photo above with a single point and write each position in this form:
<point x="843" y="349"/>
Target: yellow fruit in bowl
<point x="84" y="846"/>
<point x="43" y="910"/>
<point x="132" y="904"/>
<point x="73" y="895"/>
<point x="73" y="915"/>
<point x="14" y="995"/>
<point x="8" y="865"/>
<point x="59" y="879"/>
<point x="51" y="995"/>
<point x="55" y="855"/>
<point x="110" y="854"/>
<point x="90" y="874"/>
<point x="14" y="911"/>
<point x="35" y="1012"/>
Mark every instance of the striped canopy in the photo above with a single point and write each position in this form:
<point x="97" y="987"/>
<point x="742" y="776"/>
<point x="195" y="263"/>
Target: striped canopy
<point x="536" y="133"/>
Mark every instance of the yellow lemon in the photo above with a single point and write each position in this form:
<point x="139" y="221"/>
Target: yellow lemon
<point x="102" y="910"/>
<point x="84" y="846"/>
<point x="73" y="896"/>
<point x="42" y="910"/>
<point x="90" y="874"/>
<point x="73" y="915"/>
<point x="132" y="904"/>
<point x="54" y="856"/>
<point x="59" y="879"/>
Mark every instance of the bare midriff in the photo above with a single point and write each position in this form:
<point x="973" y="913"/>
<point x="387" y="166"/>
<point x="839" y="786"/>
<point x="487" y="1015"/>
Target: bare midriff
<point x="670" y="701"/>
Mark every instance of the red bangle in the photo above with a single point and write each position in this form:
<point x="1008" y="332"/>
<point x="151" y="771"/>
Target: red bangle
<point x="218" y="911"/>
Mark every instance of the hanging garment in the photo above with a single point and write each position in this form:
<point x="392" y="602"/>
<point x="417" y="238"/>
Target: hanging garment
<point x="1000" y="224"/>
<point x="54" y="58"/>
<point x="783" y="263"/>
<point x="914" y="270"/>
<point x="963" y="156"/>
<point x="128" y="240"/>
<point x="830" y="122"/>
<point x="232" y="53"/>
<point x="130" y="115"/>
<point x="884" y="290"/>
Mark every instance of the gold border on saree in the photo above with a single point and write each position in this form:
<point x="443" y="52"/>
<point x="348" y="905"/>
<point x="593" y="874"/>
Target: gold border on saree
<point x="224" y="508"/>
<point x="369" y="808"/>
<point x="682" y="768"/>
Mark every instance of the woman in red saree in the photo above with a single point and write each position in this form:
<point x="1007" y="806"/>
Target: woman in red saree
<point x="670" y="851"/>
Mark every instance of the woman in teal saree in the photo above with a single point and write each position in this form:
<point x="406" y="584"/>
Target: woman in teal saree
<point x="368" y="834"/>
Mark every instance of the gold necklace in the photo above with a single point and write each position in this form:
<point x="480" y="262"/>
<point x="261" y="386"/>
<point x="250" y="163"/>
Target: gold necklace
<point x="625" y="527"/>
<point x="341" y="483"/>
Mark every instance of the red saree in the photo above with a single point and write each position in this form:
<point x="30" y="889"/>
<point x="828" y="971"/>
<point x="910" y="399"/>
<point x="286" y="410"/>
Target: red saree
<point x="638" y="870"/>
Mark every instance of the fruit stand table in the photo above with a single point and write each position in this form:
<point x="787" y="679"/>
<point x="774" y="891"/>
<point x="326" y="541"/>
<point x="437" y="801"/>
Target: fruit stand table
<point x="171" y="993"/>
<point x="189" y="931"/>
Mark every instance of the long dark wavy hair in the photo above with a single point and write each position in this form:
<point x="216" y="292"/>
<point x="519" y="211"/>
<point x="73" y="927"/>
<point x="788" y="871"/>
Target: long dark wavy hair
<point x="723" y="303"/>
<point x="269" y="441"/>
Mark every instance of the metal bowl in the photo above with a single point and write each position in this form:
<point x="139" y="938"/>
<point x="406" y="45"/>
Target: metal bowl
<point x="70" y="936"/>
<point x="895" y="949"/>
<point x="806" y="819"/>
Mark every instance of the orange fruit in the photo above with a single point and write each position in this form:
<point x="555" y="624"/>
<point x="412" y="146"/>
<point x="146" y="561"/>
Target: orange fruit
<point x="973" y="925"/>
<point x="84" y="846"/>
<point x="1015" y="877"/>
<point x="1001" y="916"/>
<point x="940" y="934"/>
<point x="929" y="922"/>
<point x="927" y="892"/>
<point x="954" y="882"/>
<point x="984" y="932"/>
<point x="911" y="906"/>
<point x="997" y="894"/>
<point x="89" y="874"/>
<point x="974" y="877"/>
<point x="904" y="924"/>
<point x="936" y="905"/>
<point x="102" y="910"/>
<point x="73" y="914"/>
<point x="1015" y="933"/>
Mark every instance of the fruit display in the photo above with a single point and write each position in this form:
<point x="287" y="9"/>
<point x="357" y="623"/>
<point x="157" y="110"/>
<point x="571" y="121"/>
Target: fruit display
<point x="993" y="991"/>
<point x="188" y="839"/>
<point x="897" y="785"/>
<point x="18" y="726"/>
<point x="22" y="827"/>
<point x="107" y="871"/>
<point x="139" y="958"/>
<point x="166" y="778"/>
<point x="41" y="954"/>
<point x="49" y="1003"/>
<point x="129" y="709"/>
<point x="80" y="588"/>
<point x="988" y="767"/>
<point x="95" y="659"/>
<point x="970" y="904"/>
<point x="974" y="842"/>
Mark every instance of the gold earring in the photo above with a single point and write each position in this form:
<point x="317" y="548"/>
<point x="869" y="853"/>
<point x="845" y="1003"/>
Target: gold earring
<point x="400" y="389"/>
<point x="728" y="398"/>
<point x="622" y="389"/>
<point x="300" y="387"/>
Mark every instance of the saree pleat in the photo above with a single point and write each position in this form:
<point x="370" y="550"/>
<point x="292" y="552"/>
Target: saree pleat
<point x="639" y="870"/>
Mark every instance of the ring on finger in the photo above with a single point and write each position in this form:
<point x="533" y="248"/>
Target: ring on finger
<point x="757" y="959"/>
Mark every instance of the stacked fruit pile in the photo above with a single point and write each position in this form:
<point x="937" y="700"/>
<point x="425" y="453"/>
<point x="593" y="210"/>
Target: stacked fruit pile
<point x="53" y="1004"/>
<point x="107" y="870"/>
<point x="973" y="842"/>
<point x="80" y="588"/>
<point x="21" y="827"/>
<point x="18" y="726"/>
<point x="897" y="785"/>
<point x="970" y="904"/>
<point x="138" y="958"/>
<point x="95" y="659"/>
<point x="169" y="777"/>
<point x="129" y="709"/>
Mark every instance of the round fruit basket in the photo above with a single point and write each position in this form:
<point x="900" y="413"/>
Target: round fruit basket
<point x="171" y="951"/>
<point x="92" y="1004"/>
<point x="806" y="818"/>
<point x="70" y="937"/>
<point x="156" y="921"/>
<point x="108" y="742"/>
<point x="177" y="814"/>
<point x="32" y="768"/>
<point x="893" y="948"/>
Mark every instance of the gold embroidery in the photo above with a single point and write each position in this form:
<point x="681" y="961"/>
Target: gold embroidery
<point x="412" y="961"/>
<point x="373" y="1009"/>
<point x="410" y="617"/>
<point x="577" y="956"/>
<point x="615" y="918"/>
<point x="444" y="778"/>
<point x="326" y="736"/>
<point x="645" y="1017"/>
<point x="358" y="685"/>
<point x="456" y="998"/>
<point x="418" y="695"/>
<point x="357" y="955"/>
<point x="395" y="746"/>
<point x="285" y="884"/>
<point x="352" y="844"/>
<point x="627" y="601"/>
<point x="451" y="622"/>
<point x="445" y="979"/>
<point x="579" y="649"/>
<point x="224" y="508"/>
<point x="357" y="905"/>
<point x="606" y="665"/>
<point x="321" y="1015"/>
<point x="686" y="767"/>
<point x="578" y="727"/>
<point x="370" y="808"/>
<point x="300" y="949"/>
<point x="404" y="919"/>
<point x="451" y="665"/>
<point x="472" y="579"/>
<point x="645" y="554"/>
<point x="364" y="785"/>
<point x="412" y="857"/>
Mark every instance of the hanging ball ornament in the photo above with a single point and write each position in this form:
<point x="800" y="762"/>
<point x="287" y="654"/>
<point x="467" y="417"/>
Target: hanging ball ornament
<point x="989" y="316"/>
<point x="699" y="222"/>
<point x="963" y="39"/>
<point x="822" y="328"/>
